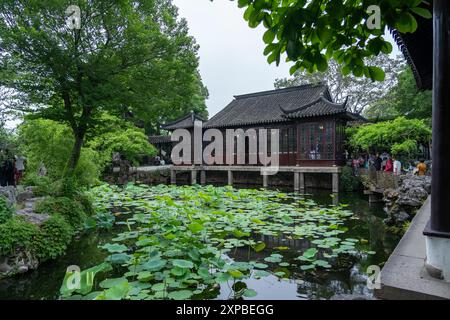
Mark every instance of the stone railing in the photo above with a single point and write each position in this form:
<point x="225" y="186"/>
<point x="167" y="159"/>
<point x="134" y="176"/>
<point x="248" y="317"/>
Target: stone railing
<point x="379" y="180"/>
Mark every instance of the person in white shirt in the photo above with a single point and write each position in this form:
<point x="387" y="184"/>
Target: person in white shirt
<point x="20" y="167"/>
<point x="397" y="167"/>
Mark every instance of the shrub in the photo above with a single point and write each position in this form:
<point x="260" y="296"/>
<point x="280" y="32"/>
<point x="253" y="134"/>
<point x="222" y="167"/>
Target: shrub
<point x="348" y="181"/>
<point x="68" y="208"/>
<point x="17" y="232"/>
<point x="50" y="143"/>
<point x="117" y="135"/>
<point x="53" y="237"/>
<point x="5" y="211"/>
<point x="400" y="136"/>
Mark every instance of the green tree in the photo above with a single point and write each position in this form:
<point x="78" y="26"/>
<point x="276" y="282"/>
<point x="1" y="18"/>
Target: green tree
<point x="116" y="135"/>
<point x="128" y="58"/>
<point x="50" y="143"/>
<point x="310" y="32"/>
<point x="361" y="92"/>
<point x="401" y="136"/>
<point x="402" y="100"/>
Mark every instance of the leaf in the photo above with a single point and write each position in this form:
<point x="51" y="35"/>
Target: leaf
<point x="259" y="246"/>
<point x="223" y="277"/>
<point x="249" y="293"/>
<point x="422" y="12"/>
<point x="307" y="267"/>
<point x="269" y="36"/>
<point x="195" y="227"/>
<point x="182" y="263"/>
<point x="115" y="248"/>
<point x="109" y="283"/>
<point x="83" y="282"/>
<point x="180" y="295"/>
<point x="116" y="292"/>
<point x="376" y="73"/>
<point x="236" y="273"/>
<point x="154" y="264"/>
<point x="310" y="253"/>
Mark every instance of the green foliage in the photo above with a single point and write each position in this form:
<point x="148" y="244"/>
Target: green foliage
<point x="53" y="237"/>
<point x="348" y="181"/>
<point x="403" y="99"/>
<point x="16" y="233"/>
<point x="5" y="211"/>
<point x="117" y="135"/>
<point x="400" y="136"/>
<point x="360" y="92"/>
<point x="177" y="239"/>
<point x="68" y="208"/>
<point x="312" y="32"/>
<point x="127" y="56"/>
<point x="50" y="143"/>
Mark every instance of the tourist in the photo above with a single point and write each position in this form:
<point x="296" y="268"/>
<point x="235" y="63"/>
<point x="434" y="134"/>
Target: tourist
<point x="397" y="167"/>
<point x="20" y="168"/>
<point x="421" y="168"/>
<point x="389" y="167"/>
<point x="378" y="162"/>
<point x="7" y="169"/>
<point x="355" y="165"/>
<point x="42" y="170"/>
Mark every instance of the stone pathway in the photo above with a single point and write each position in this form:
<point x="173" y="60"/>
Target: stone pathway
<point x="28" y="212"/>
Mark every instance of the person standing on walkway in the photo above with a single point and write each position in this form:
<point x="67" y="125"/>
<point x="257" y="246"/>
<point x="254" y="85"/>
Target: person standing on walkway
<point x="389" y="165"/>
<point x="397" y="167"/>
<point x="421" y="167"/>
<point x="20" y="167"/>
<point x="378" y="162"/>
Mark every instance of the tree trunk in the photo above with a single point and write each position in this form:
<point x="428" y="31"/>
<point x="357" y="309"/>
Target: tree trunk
<point x="76" y="152"/>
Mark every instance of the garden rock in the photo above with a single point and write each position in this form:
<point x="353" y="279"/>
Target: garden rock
<point x="10" y="193"/>
<point x="402" y="203"/>
<point x="20" y="262"/>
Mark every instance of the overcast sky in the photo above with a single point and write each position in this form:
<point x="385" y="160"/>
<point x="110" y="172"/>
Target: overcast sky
<point x="231" y="53"/>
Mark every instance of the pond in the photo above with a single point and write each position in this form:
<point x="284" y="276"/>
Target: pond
<point x="283" y="246"/>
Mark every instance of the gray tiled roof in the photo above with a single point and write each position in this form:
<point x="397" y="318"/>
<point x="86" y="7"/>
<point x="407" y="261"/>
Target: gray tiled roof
<point x="277" y="106"/>
<point x="159" y="139"/>
<point x="183" y="123"/>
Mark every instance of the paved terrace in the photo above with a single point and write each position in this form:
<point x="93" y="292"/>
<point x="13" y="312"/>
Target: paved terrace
<point x="404" y="276"/>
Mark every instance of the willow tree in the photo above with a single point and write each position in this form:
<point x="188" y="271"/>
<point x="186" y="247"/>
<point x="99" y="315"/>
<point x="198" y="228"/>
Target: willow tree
<point x="70" y="61"/>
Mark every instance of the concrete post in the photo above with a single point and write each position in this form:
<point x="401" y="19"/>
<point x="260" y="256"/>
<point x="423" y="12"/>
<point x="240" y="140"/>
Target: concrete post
<point x="230" y="177"/>
<point x="335" y="182"/>
<point x="203" y="177"/>
<point x="265" y="181"/>
<point x="296" y="181"/>
<point x="194" y="177"/>
<point x="173" y="177"/>
<point x="302" y="182"/>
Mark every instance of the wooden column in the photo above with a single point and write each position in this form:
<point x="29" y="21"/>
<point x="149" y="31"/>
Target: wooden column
<point x="439" y="225"/>
<point x="194" y="177"/>
<point x="230" y="177"/>
<point x="173" y="177"/>
<point x="335" y="182"/>
<point x="203" y="177"/>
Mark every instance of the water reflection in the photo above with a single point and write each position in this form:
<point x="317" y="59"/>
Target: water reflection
<point x="45" y="282"/>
